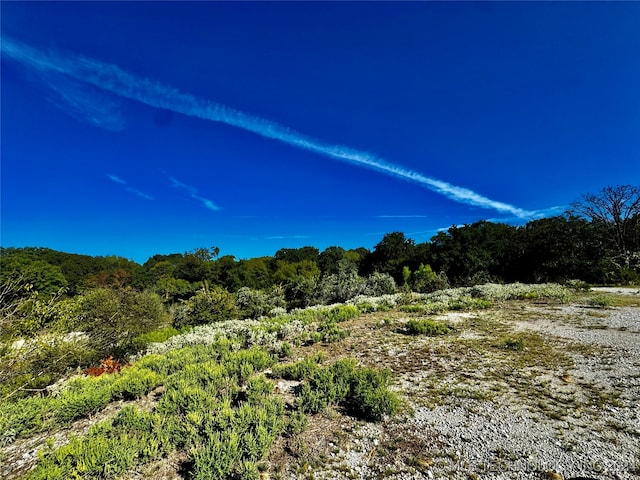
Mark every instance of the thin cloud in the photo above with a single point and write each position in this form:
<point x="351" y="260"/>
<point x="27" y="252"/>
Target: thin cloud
<point x="113" y="79"/>
<point x="139" y="193"/>
<point x="119" y="181"/>
<point x="287" y="237"/>
<point x="193" y="193"/>
<point x="116" y="179"/>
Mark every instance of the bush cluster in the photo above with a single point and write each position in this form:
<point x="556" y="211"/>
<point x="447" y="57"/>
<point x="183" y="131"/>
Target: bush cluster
<point x="362" y="392"/>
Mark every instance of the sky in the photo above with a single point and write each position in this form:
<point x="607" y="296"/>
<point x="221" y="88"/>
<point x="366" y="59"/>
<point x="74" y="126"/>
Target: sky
<point x="137" y="128"/>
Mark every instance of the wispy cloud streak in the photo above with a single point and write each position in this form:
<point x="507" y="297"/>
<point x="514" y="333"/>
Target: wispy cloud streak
<point x="139" y="193"/>
<point x="193" y="193"/>
<point x="113" y="79"/>
<point x="119" y="181"/>
<point x="116" y="179"/>
<point x="401" y="216"/>
<point x="287" y="237"/>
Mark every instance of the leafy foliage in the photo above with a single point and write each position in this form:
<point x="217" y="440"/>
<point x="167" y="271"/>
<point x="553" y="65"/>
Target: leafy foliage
<point x="426" y="327"/>
<point x="206" y="306"/>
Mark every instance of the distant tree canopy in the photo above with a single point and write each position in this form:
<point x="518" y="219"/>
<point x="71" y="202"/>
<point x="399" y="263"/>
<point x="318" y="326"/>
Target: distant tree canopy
<point x="616" y="210"/>
<point x="598" y="241"/>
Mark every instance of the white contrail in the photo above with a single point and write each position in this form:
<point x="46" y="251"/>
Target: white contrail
<point x="116" y="179"/>
<point x="193" y="193"/>
<point x="113" y="79"/>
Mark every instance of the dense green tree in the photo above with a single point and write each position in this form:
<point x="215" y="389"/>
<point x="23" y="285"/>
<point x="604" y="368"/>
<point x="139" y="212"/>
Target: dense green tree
<point x="476" y="253"/>
<point x="254" y="273"/>
<point x="224" y="272"/>
<point x="562" y="248"/>
<point x="42" y="276"/>
<point x="294" y="255"/>
<point x="329" y="259"/>
<point x="390" y="255"/>
<point x="286" y="271"/>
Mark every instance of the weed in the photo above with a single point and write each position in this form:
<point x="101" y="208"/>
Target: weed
<point x="426" y="327"/>
<point x="515" y="344"/>
<point x="599" y="301"/>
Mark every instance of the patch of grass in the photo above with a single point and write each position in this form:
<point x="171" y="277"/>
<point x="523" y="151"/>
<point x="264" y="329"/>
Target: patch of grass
<point x="513" y="343"/>
<point x="298" y="370"/>
<point x="426" y="327"/>
<point x="599" y="301"/>
<point x="626" y="301"/>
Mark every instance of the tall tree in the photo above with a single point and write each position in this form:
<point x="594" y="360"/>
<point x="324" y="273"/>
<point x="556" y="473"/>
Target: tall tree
<point x="392" y="253"/>
<point x="618" y="209"/>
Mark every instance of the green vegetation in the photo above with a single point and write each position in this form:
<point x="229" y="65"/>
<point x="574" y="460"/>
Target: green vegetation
<point x="361" y="391"/>
<point x="215" y="404"/>
<point x="426" y="327"/>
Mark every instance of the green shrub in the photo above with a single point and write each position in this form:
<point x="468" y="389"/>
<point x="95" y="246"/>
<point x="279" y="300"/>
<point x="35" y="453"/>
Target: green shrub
<point x="414" y="308"/>
<point x="426" y="327"/>
<point x="515" y="344"/>
<point x="365" y="307"/>
<point x="258" y="389"/>
<point x="286" y="350"/>
<point x="330" y="332"/>
<point x="340" y="287"/>
<point x="341" y="313"/>
<point x="114" y="319"/>
<point x="74" y="404"/>
<point x="105" y="452"/>
<point x="599" y="301"/>
<point x="206" y="306"/>
<point x="363" y="392"/>
<point x="369" y="396"/>
<point x="378" y="284"/>
<point x="297" y="423"/>
<point x="425" y="280"/>
<point x="216" y="458"/>
<point x="134" y="382"/>
<point x="298" y="370"/>
<point x="156" y="336"/>
<point x="24" y="417"/>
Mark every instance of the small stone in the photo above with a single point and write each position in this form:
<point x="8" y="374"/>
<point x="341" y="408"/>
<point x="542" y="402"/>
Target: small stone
<point x="552" y="475"/>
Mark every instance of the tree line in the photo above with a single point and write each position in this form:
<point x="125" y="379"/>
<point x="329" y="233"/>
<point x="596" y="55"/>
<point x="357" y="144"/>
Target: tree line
<point x="597" y="241"/>
<point x="60" y="311"/>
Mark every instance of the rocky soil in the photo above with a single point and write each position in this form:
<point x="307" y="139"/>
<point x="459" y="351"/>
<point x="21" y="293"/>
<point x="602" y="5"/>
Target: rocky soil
<point x="564" y="403"/>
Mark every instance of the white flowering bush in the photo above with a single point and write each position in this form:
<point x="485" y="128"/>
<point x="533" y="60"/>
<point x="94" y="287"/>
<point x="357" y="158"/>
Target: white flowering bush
<point x="340" y="287"/>
<point x="380" y="284"/>
<point x="521" y="291"/>
<point x="257" y="303"/>
<point x="367" y="303"/>
<point x="207" y="335"/>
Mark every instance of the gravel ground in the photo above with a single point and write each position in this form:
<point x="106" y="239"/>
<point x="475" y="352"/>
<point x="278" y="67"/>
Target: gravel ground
<point x="592" y="432"/>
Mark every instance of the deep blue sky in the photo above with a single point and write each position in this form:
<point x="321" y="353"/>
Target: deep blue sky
<point x="141" y="128"/>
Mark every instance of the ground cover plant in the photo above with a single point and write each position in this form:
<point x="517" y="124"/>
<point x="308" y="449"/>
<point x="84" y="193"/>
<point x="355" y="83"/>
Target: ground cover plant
<point x="215" y="402"/>
<point x="240" y="399"/>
